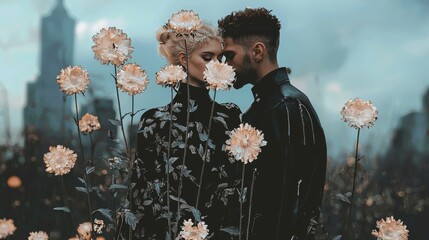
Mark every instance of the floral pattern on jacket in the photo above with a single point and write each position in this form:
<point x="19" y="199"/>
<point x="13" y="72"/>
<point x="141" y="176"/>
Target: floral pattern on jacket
<point x="149" y="179"/>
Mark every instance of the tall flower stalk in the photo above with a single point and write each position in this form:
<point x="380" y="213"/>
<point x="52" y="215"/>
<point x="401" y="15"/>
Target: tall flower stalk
<point x="218" y="76"/>
<point x="72" y="81"/>
<point x="244" y="145"/>
<point x="205" y="152"/>
<point x="87" y="183"/>
<point x="60" y="160"/>
<point x="183" y="24"/>
<point x="185" y="149"/>
<point x="250" y="202"/>
<point x="131" y="79"/>
<point x="358" y="114"/>
<point x="170" y="76"/>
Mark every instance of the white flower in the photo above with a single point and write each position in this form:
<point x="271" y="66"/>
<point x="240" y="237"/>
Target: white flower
<point x="98" y="225"/>
<point x="245" y="143"/>
<point x="184" y="22"/>
<point x="38" y="236"/>
<point x="390" y="229"/>
<point x="59" y="160"/>
<point x="89" y="123"/>
<point x="190" y="232"/>
<point x="359" y="113"/>
<point x="132" y="79"/>
<point x="219" y="76"/>
<point x="170" y="75"/>
<point x="84" y="230"/>
<point x="112" y="46"/>
<point x="73" y="80"/>
<point x="6" y="227"/>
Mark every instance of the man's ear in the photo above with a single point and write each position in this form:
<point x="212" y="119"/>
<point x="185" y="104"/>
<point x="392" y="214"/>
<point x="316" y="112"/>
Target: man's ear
<point x="259" y="51"/>
<point x="182" y="58"/>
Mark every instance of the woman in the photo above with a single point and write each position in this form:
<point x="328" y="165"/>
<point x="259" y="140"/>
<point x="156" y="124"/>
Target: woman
<point x="149" y="196"/>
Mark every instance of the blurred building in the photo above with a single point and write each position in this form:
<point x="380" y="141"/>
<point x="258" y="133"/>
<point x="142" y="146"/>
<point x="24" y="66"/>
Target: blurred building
<point x="102" y="108"/>
<point x="47" y="114"/>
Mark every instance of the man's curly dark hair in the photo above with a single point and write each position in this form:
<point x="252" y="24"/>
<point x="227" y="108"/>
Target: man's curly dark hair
<point x="251" y="24"/>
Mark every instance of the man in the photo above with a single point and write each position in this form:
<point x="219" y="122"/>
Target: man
<point x="291" y="169"/>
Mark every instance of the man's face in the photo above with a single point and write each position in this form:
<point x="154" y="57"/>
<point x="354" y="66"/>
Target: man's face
<point x="237" y="56"/>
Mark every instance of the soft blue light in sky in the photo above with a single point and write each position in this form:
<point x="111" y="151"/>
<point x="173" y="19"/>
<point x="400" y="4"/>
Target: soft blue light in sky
<point x="375" y="50"/>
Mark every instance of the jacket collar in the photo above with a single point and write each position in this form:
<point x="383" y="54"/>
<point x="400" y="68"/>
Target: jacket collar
<point x="199" y="94"/>
<point x="270" y="82"/>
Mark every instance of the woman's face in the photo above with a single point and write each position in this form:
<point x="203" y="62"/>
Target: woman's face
<point x="210" y="50"/>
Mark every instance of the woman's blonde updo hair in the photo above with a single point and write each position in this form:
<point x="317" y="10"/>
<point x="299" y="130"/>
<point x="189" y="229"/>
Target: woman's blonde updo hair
<point x="171" y="46"/>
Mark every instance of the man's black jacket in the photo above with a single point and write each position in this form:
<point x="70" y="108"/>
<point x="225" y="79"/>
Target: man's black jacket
<point x="290" y="178"/>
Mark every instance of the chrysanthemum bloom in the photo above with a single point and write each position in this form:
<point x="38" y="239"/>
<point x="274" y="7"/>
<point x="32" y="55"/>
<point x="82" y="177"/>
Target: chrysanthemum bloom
<point x="73" y="80"/>
<point x="245" y="143"/>
<point x="84" y="230"/>
<point x="359" y="113"/>
<point x="190" y="232"/>
<point x="89" y="123"/>
<point x="390" y="229"/>
<point x="170" y="75"/>
<point x="98" y="225"/>
<point x="112" y="46"/>
<point x="59" y="160"/>
<point x="132" y="79"/>
<point x="38" y="236"/>
<point x="184" y="22"/>
<point x="219" y="76"/>
<point x="6" y="227"/>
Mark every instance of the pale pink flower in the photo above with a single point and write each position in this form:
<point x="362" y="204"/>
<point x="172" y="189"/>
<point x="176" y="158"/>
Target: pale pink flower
<point x="219" y="76"/>
<point x="190" y="232"/>
<point x="170" y="75"/>
<point x="245" y="143"/>
<point x="59" y="160"/>
<point x="112" y="45"/>
<point x="184" y="22"/>
<point x="359" y="113"/>
<point x="40" y="235"/>
<point x="84" y="230"/>
<point x="73" y="80"/>
<point x="390" y="229"/>
<point x="6" y="227"/>
<point x="132" y="79"/>
<point x="98" y="225"/>
<point x="89" y="123"/>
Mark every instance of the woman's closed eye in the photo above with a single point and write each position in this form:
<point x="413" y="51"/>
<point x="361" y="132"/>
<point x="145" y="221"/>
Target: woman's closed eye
<point x="207" y="57"/>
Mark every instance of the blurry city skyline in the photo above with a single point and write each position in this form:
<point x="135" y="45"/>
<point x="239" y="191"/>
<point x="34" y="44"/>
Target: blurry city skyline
<point x="337" y="50"/>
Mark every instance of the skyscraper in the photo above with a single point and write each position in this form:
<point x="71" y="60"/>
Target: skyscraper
<point x="47" y="113"/>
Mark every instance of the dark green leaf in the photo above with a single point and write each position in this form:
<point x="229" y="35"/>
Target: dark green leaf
<point x="234" y="231"/>
<point x="131" y="219"/>
<point x="81" y="189"/>
<point x="117" y="186"/>
<point x="115" y="122"/>
<point x="105" y="212"/>
<point x="64" y="209"/>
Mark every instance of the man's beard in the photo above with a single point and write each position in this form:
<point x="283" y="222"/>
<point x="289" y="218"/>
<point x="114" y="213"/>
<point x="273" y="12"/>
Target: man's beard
<point x="246" y="74"/>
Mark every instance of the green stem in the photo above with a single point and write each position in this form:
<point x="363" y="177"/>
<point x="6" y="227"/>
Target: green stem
<point x="205" y="152"/>
<point x="353" y="185"/>
<point x="241" y="200"/>
<point x="185" y="149"/>
<point x="168" y="162"/>
<point x="120" y="110"/>
<point x="87" y="184"/>
<point x="250" y="203"/>
<point x="131" y="162"/>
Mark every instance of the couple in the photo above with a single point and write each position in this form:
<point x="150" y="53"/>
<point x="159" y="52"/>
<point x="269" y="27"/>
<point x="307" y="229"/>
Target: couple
<point x="288" y="187"/>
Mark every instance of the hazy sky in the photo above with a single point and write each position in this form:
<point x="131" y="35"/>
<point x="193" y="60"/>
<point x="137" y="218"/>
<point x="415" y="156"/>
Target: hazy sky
<point x="337" y="49"/>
